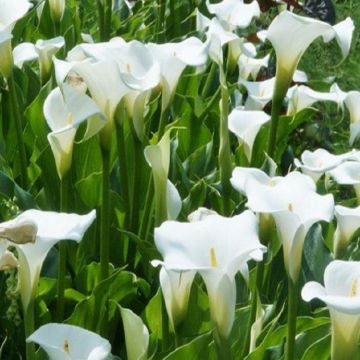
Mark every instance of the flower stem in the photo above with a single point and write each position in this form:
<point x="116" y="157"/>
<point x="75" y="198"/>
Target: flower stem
<point x="160" y="20"/>
<point x="148" y="206"/>
<point x="101" y="19"/>
<point x="105" y="216"/>
<point x="16" y="113"/>
<point x="222" y="346"/>
<point x="29" y="329"/>
<point x="64" y="189"/>
<point x="224" y="147"/>
<point x="107" y="19"/>
<point x="164" y="325"/>
<point x="291" y="320"/>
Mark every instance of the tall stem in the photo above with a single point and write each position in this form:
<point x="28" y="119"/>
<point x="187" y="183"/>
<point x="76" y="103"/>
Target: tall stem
<point x="291" y="320"/>
<point x="222" y="346"/>
<point x="148" y="206"/>
<point x="209" y="80"/>
<point x="107" y="19"/>
<point x="16" y="113"/>
<point x="160" y="20"/>
<point x="101" y="19"/>
<point x="224" y="147"/>
<point x="164" y="326"/>
<point x="105" y="216"/>
<point x="64" y="189"/>
<point x="29" y="329"/>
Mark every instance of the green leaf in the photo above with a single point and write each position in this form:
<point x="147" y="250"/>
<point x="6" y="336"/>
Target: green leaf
<point x="194" y="350"/>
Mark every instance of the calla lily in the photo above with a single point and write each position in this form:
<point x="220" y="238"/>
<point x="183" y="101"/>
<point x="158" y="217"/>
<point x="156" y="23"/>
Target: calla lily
<point x="50" y="227"/>
<point x="347" y="173"/>
<point x="352" y="102"/>
<point x="245" y="125"/>
<point x="218" y="36"/>
<point x="251" y="66"/>
<point x="198" y="247"/>
<point x="348" y="221"/>
<point x="168" y="201"/>
<point x="259" y="93"/>
<point x="57" y="8"/>
<point x="291" y="35"/>
<point x="342" y="297"/>
<point x="302" y="97"/>
<point x="11" y="11"/>
<point x="295" y="207"/>
<point x="173" y="58"/>
<point x="64" y="112"/>
<point x="42" y="50"/>
<point x="70" y="342"/>
<point x="300" y="76"/>
<point x="136" y="335"/>
<point x="234" y="13"/>
<point x="107" y="89"/>
<point x="316" y="163"/>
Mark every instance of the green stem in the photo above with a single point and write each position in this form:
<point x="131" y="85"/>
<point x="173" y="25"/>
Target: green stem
<point x="291" y="320"/>
<point x="160" y="20"/>
<point x="254" y="305"/>
<point x="162" y="122"/>
<point x="146" y="216"/>
<point x="174" y="18"/>
<point x="17" y="117"/>
<point x="29" y="324"/>
<point x="164" y="326"/>
<point x="209" y="80"/>
<point x="224" y="147"/>
<point x="105" y="216"/>
<point x="64" y="190"/>
<point x="222" y="346"/>
<point x="160" y="200"/>
<point x="107" y="19"/>
<point x="101" y="19"/>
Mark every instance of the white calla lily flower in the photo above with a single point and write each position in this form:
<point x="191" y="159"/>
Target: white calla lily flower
<point x="51" y="227"/>
<point x="347" y="173"/>
<point x="197" y="246"/>
<point x="300" y="76"/>
<point x="352" y="102"/>
<point x="57" y="9"/>
<point x="11" y="11"/>
<point x="158" y="157"/>
<point x="295" y="207"/>
<point x="342" y="297"/>
<point x="301" y="97"/>
<point x="259" y="93"/>
<point x="43" y="50"/>
<point x="136" y="335"/>
<point x="245" y="125"/>
<point x="173" y="58"/>
<point x="348" y="221"/>
<point x="291" y="35"/>
<point x="234" y="13"/>
<point x="70" y="342"/>
<point x="107" y="89"/>
<point x="64" y="112"/>
<point x="249" y="66"/>
<point x="316" y="163"/>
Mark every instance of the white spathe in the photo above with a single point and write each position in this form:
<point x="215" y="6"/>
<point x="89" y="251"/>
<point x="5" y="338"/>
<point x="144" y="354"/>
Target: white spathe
<point x="245" y="125"/>
<point x="348" y="221"/>
<point x="51" y="227"/>
<point x="212" y="247"/>
<point x="136" y="335"/>
<point x="64" y="111"/>
<point x="249" y="66"/>
<point x="295" y="207"/>
<point x="291" y="35"/>
<point x="70" y="342"/>
<point x="259" y="93"/>
<point x="43" y="50"/>
<point x="234" y="13"/>
<point x="316" y="163"/>
<point x="352" y="102"/>
<point x="341" y="295"/>
<point x="57" y="9"/>
<point x="173" y="58"/>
